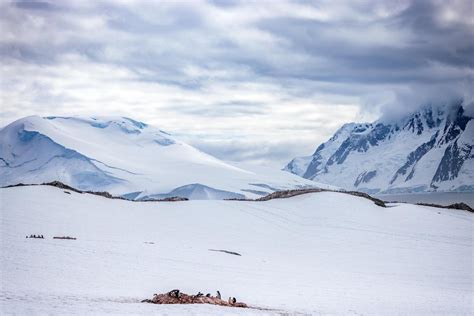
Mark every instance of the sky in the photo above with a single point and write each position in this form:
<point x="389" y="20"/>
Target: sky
<point x="255" y="82"/>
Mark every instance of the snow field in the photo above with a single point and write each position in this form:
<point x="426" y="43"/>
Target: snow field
<point x="322" y="253"/>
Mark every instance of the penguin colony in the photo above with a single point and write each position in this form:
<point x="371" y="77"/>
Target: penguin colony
<point x="177" y="297"/>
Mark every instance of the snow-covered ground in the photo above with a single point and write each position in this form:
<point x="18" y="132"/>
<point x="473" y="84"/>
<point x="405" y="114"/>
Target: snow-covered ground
<point x="321" y="253"/>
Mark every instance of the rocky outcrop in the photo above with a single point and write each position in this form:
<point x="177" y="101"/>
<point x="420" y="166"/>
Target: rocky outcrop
<point x="455" y="206"/>
<point x="176" y="297"/>
<point x="63" y="186"/>
<point x="290" y="193"/>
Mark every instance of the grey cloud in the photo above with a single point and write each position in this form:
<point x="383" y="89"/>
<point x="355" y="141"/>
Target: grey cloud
<point x="272" y="152"/>
<point x="225" y="3"/>
<point x="220" y="109"/>
<point x="178" y="19"/>
<point x="33" y="5"/>
<point x="379" y="62"/>
<point x="235" y="61"/>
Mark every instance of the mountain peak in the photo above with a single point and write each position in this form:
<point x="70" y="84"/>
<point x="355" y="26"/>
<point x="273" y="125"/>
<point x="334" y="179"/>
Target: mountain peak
<point x="428" y="149"/>
<point x="125" y="124"/>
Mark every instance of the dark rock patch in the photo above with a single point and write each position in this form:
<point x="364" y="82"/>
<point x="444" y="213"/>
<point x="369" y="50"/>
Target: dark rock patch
<point x="226" y="251"/>
<point x="105" y="194"/>
<point x="290" y="193"/>
<point x="176" y="297"/>
<point x="456" y="206"/>
<point x="65" y="237"/>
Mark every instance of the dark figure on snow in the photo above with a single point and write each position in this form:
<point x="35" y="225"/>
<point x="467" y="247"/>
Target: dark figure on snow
<point x="218" y="295"/>
<point x="174" y="293"/>
<point x="234" y="300"/>
<point x="199" y="294"/>
<point x="208" y="295"/>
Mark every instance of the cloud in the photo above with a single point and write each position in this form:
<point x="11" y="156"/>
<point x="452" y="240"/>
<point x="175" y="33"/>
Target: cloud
<point x="242" y="80"/>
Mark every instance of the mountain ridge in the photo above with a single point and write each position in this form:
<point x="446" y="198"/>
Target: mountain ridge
<point x="430" y="149"/>
<point x="124" y="157"/>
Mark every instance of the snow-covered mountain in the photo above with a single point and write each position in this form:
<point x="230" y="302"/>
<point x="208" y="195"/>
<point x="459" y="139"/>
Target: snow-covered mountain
<point x="428" y="150"/>
<point x="123" y="157"/>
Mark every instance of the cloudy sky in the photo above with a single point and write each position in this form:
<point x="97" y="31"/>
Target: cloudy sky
<point x="252" y="81"/>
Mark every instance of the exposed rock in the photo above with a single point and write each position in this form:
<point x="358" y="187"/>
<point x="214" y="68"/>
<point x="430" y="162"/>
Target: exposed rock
<point x="456" y="206"/>
<point x="105" y="194"/>
<point x="176" y="297"/>
<point x="413" y="158"/>
<point x="365" y="177"/>
<point x="174" y="199"/>
<point x="226" y="251"/>
<point x="460" y="206"/>
<point x="290" y="193"/>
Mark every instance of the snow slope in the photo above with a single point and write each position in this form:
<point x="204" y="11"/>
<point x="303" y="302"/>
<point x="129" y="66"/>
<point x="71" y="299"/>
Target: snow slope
<point x="321" y="253"/>
<point x="428" y="150"/>
<point x="123" y="157"/>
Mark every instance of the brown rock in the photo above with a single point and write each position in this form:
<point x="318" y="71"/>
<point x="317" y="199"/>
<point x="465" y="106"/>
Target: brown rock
<point x="182" y="298"/>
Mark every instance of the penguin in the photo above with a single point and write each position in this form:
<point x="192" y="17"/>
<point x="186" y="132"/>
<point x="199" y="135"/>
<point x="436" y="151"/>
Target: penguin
<point x="199" y="294"/>
<point x="208" y="295"/>
<point x="174" y="293"/>
<point x="218" y="295"/>
<point x="234" y="300"/>
<point x="229" y="300"/>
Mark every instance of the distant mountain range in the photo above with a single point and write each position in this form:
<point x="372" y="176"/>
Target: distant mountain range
<point x="428" y="150"/>
<point x="126" y="158"/>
